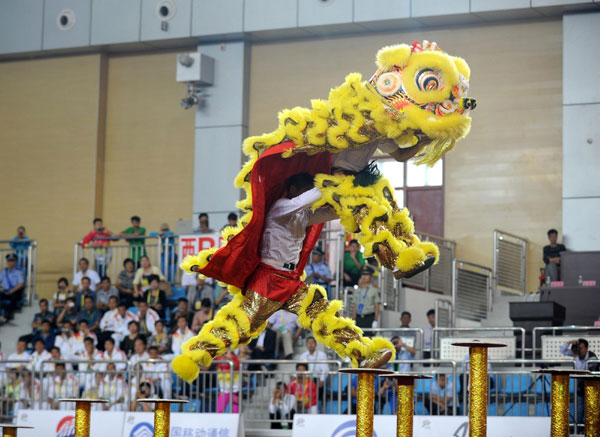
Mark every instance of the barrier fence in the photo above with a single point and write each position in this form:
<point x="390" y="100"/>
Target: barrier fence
<point x="26" y="252"/>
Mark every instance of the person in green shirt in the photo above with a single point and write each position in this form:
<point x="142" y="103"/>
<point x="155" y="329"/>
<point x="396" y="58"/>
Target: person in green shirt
<point x="136" y="245"/>
<point x="353" y="261"/>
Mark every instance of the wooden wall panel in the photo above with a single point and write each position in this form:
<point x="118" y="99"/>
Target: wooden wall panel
<point x="507" y="173"/>
<point x="149" y="143"/>
<point x="48" y="119"/>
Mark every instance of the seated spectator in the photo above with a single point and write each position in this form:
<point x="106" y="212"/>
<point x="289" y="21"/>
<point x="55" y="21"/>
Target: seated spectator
<point x="305" y="392"/>
<point x="147" y="318"/>
<point x="353" y="262"/>
<point x="405" y="319"/>
<point x="84" y="291"/>
<point x="20" y="356"/>
<point x="69" y="312"/>
<point x="403" y="352"/>
<point x="203" y="315"/>
<point x="168" y="250"/>
<point x="113" y="389"/>
<point x="197" y="293"/>
<point x="85" y="271"/>
<point x="109" y="323"/>
<point x="366" y="300"/>
<point x="279" y="406"/>
<point x="139" y="349"/>
<point x="120" y="322"/>
<point x="98" y="239"/>
<point x="318" y="272"/>
<point x="181" y="311"/>
<point x="46" y="335"/>
<point x="160" y="339"/>
<point x="582" y="356"/>
<point x="223" y="297"/>
<point x="56" y="356"/>
<point x="60" y="297"/>
<point x="181" y="335"/>
<point x="226" y="385"/>
<point x="155" y="297"/>
<point x="232" y="219"/>
<point x="428" y="334"/>
<point x="12" y="285"/>
<point x="113" y="353"/>
<point x="203" y="227"/>
<point x="125" y="282"/>
<point x="90" y="353"/>
<point x="159" y="374"/>
<point x="141" y="282"/>
<point x="44" y="315"/>
<point x="552" y="255"/>
<point x="136" y="245"/>
<point x="90" y="314"/>
<point x="129" y="340"/>
<point x="29" y="390"/>
<point x="60" y="385"/>
<point x="20" y="244"/>
<point x="439" y="400"/>
<point x="144" y="391"/>
<point x="103" y="292"/>
<point x="70" y="347"/>
<point x="263" y="348"/>
<point x="285" y="325"/>
<point x="83" y="332"/>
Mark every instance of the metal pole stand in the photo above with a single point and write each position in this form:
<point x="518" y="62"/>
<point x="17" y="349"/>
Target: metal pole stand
<point x="365" y="398"/>
<point x="559" y="415"/>
<point x="591" y="396"/>
<point x="10" y="430"/>
<point x="405" y="386"/>
<point x="478" y="385"/>
<point x="162" y="414"/>
<point x="82" y="414"/>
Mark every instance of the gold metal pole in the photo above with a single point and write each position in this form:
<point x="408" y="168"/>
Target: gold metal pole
<point x="365" y="399"/>
<point x="10" y="430"/>
<point x="83" y="414"/>
<point x="478" y="385"/>
<point x="405" y="386"/>
<point x="559" y="414"/>
<point x="162" y="415"/>
<point x="591" y="396"/>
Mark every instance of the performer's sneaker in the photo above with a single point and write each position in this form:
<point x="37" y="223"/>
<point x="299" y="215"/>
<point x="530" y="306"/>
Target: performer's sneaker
<point x="398" y="274"/>
<point x="377" y="360"/>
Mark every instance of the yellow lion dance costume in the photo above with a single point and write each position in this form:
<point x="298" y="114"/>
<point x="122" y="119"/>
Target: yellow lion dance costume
<point x="415" y="104"/>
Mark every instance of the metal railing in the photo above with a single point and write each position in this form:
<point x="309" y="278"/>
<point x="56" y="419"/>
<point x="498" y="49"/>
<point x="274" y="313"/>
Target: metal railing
<point x="471" y="291"/>
<point x="406" y="333"/>
<point x="553" y="329"/>
<point x="435" y="340"/>
<point x="510" y="262"/>
<point x="26" y="262"/>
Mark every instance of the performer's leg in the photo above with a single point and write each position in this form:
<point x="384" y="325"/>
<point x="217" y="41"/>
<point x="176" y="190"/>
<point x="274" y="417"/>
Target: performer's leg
<point x="238" y="322"/>
<point x="339" y="333"/>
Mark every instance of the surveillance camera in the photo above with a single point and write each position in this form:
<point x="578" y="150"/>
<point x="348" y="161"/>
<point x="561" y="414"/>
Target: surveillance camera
<point x="188" y="101"/>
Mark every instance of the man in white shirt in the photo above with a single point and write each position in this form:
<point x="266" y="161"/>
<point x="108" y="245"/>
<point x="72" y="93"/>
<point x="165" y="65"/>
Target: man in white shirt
<point x="39" y="355"/>
<point x="70" y="347"/>
<point x="180" y="336"/>
<point x="119" y="322"/>
<point x="312" y="354"/>
<point x="428" y="334"/>
<point x="287" y="329"/>
<point x="20" y="355"/>
<point x="147" y="317"/>
<point x="85" y="271"/>
<point x="113" y="353"/>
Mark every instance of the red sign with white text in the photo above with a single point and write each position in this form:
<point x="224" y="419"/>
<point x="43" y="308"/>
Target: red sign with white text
<point x="192" y="244"/>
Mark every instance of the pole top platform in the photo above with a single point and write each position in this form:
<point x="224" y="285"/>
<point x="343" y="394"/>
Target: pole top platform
<point x="166" y="401"/>
<point x="356" y="371"/>
<point x="90" y="401"/>
<point x="561" y="372"/>
<point x="478" y="343"/>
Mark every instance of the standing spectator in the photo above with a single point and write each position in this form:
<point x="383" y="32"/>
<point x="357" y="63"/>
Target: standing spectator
<point x="141" y="282"/>
<point x="98" y="239"/>
<point x="85" y="271"/>
<point x="304" y="390"/>
<point x="353" y="261"/>
<point x="180" y="336"/>
<point x="60" y="297"/>
<point x="318" y="369"/>
<point x="129" y="340"/>
<point x="366" y="300"/>
<point x="428" y="334"/>
<point x="137" y="249"/>
<point x="226" y="384"/>
<point x="89" y="314"/>
<point x="104" y="292"/>
<point x="20" y="355"/>
<point x="403" y="352"/>
<point x="45" y="334"/>
<point x="66" y="342"/>
<point x="204" y="228"/>
<point x="583" y="354"/>
<point x="39" y="355"/>
<point x="84" y="291"/>
<point x="20" y="243"/>
<point x="552" y="255"/>
<point x="155" y="297"/>
<point x="205" y="314"/>
<point x="125" y="282"/>
<point x="197" y="293"/>
<point x="405" y="319"/>
<point x="12" y="284"/>
<point x="160" y="339"/>
<point x="168" y="253"/>
<point x="285" y="324"/>
<point x="69" y="312"/>
<point x="318" y="272"/>
<point x="279" y="408"/>
<point x="439" y="401"/>
<point x="147" y="318"/>
<point x="113" y="353"/>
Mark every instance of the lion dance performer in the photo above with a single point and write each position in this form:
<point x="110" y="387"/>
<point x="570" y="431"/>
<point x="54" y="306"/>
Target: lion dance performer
<point x="415" y="104"/>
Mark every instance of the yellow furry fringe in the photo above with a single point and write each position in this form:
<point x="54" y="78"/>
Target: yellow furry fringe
<point x="185" y="367"/>
<point x="200" y="260"/>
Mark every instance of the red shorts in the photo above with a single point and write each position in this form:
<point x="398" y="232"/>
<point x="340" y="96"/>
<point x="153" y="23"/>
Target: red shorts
<point x="277" y="285"/>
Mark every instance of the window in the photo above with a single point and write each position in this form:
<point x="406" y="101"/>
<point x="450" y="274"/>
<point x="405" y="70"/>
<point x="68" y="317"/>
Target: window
<point x="420" y="188"/>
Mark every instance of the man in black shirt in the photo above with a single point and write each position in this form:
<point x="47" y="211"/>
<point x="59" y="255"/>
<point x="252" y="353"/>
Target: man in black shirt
<point x="552" y="255"/>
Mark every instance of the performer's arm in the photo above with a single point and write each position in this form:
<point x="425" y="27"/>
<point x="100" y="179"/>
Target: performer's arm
<point x="404" y="154"/>
<point x="284" y="207"/>
<point x="322" y="215"/>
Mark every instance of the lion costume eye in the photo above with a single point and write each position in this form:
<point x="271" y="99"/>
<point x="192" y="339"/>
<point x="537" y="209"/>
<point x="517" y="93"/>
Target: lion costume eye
<point x="428" y="80"/>
<point x="389" y="83"/>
